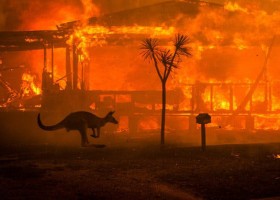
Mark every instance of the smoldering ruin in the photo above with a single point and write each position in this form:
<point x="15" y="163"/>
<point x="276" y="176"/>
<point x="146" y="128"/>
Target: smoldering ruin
<point x="93" y="63"/>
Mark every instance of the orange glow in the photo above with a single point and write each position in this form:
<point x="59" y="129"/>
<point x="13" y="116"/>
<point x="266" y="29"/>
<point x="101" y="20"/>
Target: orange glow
<point x="233" y="6"/>
<point x="89" y="36"/>
<point x="240" y="43"/>
<point x="28" y="86"/>
<point x="267" y="122"/>
<point x="149" y="123"/>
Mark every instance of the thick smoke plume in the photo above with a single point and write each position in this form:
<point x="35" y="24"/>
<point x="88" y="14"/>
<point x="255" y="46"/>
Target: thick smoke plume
<point x="43" y="15"/>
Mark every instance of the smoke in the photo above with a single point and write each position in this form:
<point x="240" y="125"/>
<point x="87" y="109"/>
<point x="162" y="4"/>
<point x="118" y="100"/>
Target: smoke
<point x="42" y="15"/>
<point x="90" y="9"/>
<point x="39" y="14"/>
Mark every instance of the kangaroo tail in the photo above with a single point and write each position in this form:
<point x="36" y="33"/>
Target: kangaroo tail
<point x="48" y="128"/>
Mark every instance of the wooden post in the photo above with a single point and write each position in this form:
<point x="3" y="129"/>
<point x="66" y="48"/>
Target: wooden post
<point x="202" y="119"/>
<point x="203" y="137"/>
<point x="52" y="63"/>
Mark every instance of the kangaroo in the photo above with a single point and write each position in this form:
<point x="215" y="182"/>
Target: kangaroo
<point x="81" y="121"/>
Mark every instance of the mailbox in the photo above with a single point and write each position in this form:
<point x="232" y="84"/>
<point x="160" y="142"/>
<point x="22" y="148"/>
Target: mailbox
<point x="203" y="118"/>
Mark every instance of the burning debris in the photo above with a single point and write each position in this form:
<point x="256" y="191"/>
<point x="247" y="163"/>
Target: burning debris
<point x="28" y="86"/>
<point x="276" y="156"/>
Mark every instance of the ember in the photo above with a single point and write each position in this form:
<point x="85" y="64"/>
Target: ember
<point x="276" y="156"/>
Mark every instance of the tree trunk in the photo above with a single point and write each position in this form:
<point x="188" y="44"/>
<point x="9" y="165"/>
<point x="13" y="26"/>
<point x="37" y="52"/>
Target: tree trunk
<point x="163" y="113"/>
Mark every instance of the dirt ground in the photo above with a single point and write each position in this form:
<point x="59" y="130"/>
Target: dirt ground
<point x="138" y="171"/>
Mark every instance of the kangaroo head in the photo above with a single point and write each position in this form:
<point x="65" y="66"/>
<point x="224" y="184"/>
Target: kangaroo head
<point x="109" y="118"/>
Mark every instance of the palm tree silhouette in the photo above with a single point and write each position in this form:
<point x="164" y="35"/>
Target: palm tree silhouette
<point x="165" y="61"/>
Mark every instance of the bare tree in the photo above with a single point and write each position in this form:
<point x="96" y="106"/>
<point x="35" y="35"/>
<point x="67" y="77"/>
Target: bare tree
<point x="165" y="61"/>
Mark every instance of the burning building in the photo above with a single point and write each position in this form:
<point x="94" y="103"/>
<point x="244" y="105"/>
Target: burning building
<point x="94" y="63"/>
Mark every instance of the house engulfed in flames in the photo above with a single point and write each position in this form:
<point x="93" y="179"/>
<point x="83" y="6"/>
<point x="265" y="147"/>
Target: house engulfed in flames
<point x="95" y="64"/>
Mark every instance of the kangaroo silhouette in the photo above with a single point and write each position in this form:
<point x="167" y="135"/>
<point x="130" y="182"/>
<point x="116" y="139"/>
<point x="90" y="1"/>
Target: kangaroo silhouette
<point x="81" y="121"/>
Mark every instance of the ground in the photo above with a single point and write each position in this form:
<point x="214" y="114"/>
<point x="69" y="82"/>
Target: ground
<point x="46" y="171"/>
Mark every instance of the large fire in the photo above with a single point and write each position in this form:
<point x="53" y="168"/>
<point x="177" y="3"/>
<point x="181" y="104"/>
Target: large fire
<point x="85" y="37"/>
<point x="229" y="47"/>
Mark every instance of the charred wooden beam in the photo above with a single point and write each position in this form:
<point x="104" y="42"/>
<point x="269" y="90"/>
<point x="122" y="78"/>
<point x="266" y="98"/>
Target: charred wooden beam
<point x="75" y="67"/>
<point x="32" y="40"/>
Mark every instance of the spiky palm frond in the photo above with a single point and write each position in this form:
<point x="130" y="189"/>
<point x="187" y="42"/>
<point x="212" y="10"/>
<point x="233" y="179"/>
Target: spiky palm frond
<point x="166" y="58"/>
<point x="149" y="48"/>
<point x="180" y="44"/>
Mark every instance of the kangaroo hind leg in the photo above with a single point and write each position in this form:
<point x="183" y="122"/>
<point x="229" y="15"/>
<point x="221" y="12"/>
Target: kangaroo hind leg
<point x="93" y="133"/>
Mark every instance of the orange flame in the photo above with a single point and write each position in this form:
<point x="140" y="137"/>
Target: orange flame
<point x="28" y="86"/>
<point x="89" y="36"/>
<point x="233" y="6"/>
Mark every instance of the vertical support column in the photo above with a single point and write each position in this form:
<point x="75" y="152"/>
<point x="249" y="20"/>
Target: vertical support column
<point x="52" y="63"/>
<point x="87" y="75"/>
<point x="82" y="76"/>
<point x="75" y="67"/>
<point x="45" y="80"/>
<point x="68" y="69"/>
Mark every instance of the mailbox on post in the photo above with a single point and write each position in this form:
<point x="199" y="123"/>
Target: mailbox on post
<point x="203" y="118"/>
